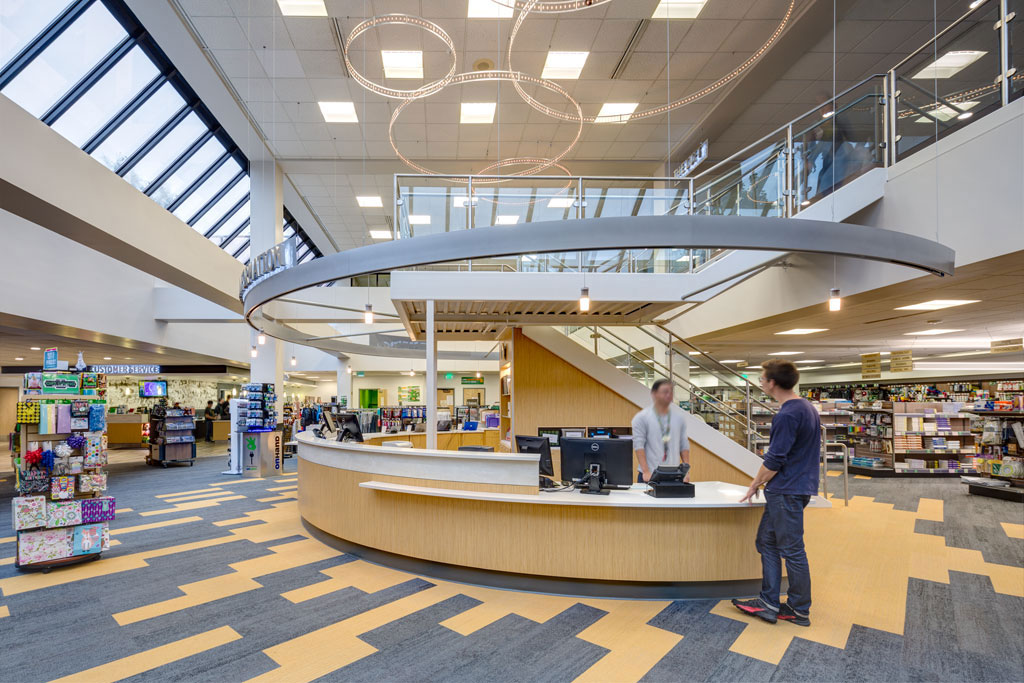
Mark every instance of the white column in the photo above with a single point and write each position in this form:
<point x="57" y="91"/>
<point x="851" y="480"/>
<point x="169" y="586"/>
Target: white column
<point x="344" y="382"/>
<point x="266" y="209"/>
<point x="431" y="397"/>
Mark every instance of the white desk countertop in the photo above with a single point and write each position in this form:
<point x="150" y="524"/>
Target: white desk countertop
<point x="709" y="494"/>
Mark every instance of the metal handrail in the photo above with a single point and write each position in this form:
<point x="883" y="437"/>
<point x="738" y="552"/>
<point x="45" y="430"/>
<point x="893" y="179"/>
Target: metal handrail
<point x="938" y="35"/>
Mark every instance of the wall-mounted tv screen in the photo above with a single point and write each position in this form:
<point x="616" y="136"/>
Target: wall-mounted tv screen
<point x="152" y="389"/>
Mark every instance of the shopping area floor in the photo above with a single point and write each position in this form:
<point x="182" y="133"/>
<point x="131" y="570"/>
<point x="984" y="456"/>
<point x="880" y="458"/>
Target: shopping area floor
<point x="213" y="578"/>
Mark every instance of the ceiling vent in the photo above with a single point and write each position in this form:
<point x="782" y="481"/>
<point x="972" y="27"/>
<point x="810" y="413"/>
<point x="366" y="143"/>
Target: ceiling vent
<point x="483" y="64"/>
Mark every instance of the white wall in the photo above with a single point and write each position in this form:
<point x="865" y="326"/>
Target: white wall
<point x="390" y="383"/>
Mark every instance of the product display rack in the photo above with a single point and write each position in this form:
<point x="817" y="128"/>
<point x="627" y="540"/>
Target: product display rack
<point x="172" y="436"/>
<point x="398" y="418"/>
<point x="870" y="437"/>
<point x="924" y="429"/>
<point x="836" y="423"/>
<point x="60" y="514"/>
<point x="257" y="412"/>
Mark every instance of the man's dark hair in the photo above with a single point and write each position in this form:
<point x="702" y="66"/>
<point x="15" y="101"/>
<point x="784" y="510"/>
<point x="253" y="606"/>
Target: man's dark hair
<point x="658" y="383"/>
<point x="782" y="372"/>
<point x="209" y="403"/>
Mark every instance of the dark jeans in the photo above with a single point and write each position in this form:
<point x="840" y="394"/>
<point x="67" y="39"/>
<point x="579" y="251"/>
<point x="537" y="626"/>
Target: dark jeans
<point x="209" y="430"/>
<point x="781" y="536"/>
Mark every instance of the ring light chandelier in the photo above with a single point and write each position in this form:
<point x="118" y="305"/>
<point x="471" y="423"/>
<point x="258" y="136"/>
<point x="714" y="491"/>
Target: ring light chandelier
<point x="575" y="115"/>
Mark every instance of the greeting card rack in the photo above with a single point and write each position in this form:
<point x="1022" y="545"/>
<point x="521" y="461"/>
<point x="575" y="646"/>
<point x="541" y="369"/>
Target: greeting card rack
<point x="61" y="514"/>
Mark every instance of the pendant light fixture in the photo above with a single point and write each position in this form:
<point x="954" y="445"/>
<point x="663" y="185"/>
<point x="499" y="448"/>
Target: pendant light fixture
<point x="834" y="302"/>
<point x="584" y="299"/>
<point x="261" y="339"/>
<point x="253" y="352"/>
<point x="368" y="315"/>
<point x="294" y="361"/>
<point x="348" y="369"/>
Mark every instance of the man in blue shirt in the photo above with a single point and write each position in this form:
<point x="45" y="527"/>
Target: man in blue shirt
<point x="790" y="476"/>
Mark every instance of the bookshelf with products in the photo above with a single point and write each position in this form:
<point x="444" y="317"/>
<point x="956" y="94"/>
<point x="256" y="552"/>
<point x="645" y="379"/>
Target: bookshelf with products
<point x="870" y="437"/>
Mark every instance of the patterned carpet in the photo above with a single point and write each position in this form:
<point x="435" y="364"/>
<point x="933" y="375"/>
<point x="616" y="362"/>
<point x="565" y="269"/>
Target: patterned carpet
<point x="213" y="578"/>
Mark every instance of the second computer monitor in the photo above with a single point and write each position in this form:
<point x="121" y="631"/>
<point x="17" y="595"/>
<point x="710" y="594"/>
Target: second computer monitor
<point x="615" y="457"/>
<point x="608" y="432"/>
<point x="349" y="429"/>
<point x="541" y="446"/>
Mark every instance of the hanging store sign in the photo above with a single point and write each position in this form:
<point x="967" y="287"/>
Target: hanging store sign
<point x="699" y="156"/>
<point x="472" y="380"/>
<point x="901" y="361"/>
<point x="1007" y="345"/>
<point x="275" y="259"/>
<point x="871" y="366"/>
<point x="50" y="359"/>
<point x="125" y="369"/>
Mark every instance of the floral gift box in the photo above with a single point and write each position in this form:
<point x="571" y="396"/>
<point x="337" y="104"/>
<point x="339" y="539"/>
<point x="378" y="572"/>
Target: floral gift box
<point x="28" y="512"/>
<point x="40" y="546"/>
<point x="88" y="483"/>
<point x="63" y="513"/>
<point x="88" y="539"/>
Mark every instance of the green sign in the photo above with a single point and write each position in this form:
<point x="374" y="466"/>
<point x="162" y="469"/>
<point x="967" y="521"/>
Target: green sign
<point x="448" y="375"/>
<point x="472" y="380"/>
<point x="59" y="383"/>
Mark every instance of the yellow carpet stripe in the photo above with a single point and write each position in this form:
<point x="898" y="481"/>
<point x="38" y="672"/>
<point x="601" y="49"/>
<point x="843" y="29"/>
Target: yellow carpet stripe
<point x="5" y="611"/>
<point x="8" y="539"/>
<point x="1013" y="530"/>
<point x="186" y="493"/>
<point x="120" y="510"/>
<point x="133" y="665"/>
<point x="190" y="505"/>
<point x="283" y="488"/>
<point x="198" y="496"/>
<point x="153" y="525"/>
<point x="4" y="561"/>
<point x="274" y="499"/>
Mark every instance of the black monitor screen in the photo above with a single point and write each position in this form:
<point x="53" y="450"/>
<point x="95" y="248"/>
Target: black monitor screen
<point x="541" y="445"/>
<point x="350" y="430"/>
<point x="608" y="432"/>
<point x="615" y="457"/>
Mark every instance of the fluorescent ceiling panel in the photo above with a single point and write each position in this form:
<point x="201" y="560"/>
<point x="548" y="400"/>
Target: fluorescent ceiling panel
<point x="951" y="63"/>
<point x="786" y="353"/>
<point x="507" y="220"/>
<point x="929" y="333"/>
<point x="402" y="63"/>
<point x="302" y="8"/>
<point x="678" y="9"/>
<point x="488" y="9"/>
<point x="561" y="202"/>
<point x="564" y="65"/>
<point x="804" y="330"/>
<point x="616" y="112"/>
<point x="810" y="361"/>
<point x="937" y="304"/>
<point x="944" y="113"/>
<point x="419" y="219"/>
<point x="338" y="112"/>
<point x="380" y="234"/>
<point x="477" y="112"/>
<point x="368" y="202"/>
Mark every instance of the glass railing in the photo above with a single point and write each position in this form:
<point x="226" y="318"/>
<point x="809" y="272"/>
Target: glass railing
<point x="971" y="68"/>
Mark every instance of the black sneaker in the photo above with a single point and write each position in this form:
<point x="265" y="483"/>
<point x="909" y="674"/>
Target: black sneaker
<point x="756" y="608"/>
<point x="786" y="613"/>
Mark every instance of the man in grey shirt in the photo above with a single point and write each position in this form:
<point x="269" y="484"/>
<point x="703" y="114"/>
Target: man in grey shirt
<point x="659" y="433"/>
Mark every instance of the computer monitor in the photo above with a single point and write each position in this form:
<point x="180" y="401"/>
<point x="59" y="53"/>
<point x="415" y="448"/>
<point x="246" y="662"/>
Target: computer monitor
<point x="615" y="457"/>
<point x="349" y="430"/>
<point x="540" y="445"/>
<point x="573" y="432"/>
<point x="552" y="434"/>
<point x="608" y="432"/>
<point x="329" y="422"/>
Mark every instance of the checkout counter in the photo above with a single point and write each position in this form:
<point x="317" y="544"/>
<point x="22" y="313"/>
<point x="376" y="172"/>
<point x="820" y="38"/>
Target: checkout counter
<point x="446" y="441"/>
<point x="124" y="430"/>
<point x="481" y="518"/>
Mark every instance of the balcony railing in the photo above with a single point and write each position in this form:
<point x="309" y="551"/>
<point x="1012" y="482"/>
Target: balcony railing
<point x="971" y="68"/>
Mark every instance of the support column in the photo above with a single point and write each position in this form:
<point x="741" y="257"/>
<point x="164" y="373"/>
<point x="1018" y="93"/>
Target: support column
<point x="344" y="383"/>
<point x="266" y="202"/>
<point x="431" y="393"/>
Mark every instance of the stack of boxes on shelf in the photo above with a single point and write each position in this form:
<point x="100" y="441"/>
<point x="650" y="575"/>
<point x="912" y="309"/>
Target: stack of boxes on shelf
<point x="870" y="433"/>
<point x="933" y="429"/>
<point x="61" y="514"/>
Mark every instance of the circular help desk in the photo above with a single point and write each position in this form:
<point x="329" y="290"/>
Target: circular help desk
<point x="479" y="518"/>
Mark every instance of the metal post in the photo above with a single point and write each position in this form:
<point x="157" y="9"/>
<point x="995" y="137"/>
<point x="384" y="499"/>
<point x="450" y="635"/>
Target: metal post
<point x="891" y="100"/>
<point x="394" y="200"/>
<point x="469" y="211"/>
<point x="749" y="422"/>
<point x="790" y="168"/>
<point x="431" y="397"/>
<point x="824" y="466"/>
<point x="1004" y="53"/>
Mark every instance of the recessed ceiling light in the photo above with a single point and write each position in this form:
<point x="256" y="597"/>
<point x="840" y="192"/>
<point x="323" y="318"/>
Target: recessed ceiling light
<point x="380" y="234"/>
<point x="844" y="365"/>
<point x="339" y="112"/>
<point x="944" y="113"/>
<point x="616" y="112"/>
<point x="127" y="357"/>
<point x="810" y="361"/>
<point x="731" y="361"/>
<point x="402" y="63"/>
<point x="694" y="353"/>
<point x="561" y="202"/>
<point x="816" y="367"/>
<point x="786" y="353"/>
<point x="564" y="65"/>
<point x="923" y="333"/>
<point x="477" y="112"/>
<point x="488" y="9"/>
<point x="678" y="9"/>
<point x="419" y="219"/>
<point x="107" y="358"/>
<point x="35" y="348"/>
<point x="18" y="358"/>
<point x="804" y="330"/>
<point x="369" y="202"/>
<point x="936" y="304"/>
<point x="507" y="220"/>
<point x="950" y="64"/>
<point x="302" y="8"/>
